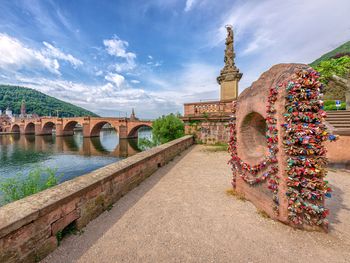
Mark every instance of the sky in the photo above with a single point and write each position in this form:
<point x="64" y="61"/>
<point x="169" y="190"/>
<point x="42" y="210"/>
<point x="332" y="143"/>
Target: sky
<point x="112" y="56"/>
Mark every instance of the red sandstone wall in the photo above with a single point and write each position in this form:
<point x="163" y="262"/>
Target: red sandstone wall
<point x="28" y="227"/>
<point x="254" y="100"/>
<point x="339" y="151"/>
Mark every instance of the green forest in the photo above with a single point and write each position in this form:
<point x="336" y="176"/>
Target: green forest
<point x="37" y="102"/>
<point x="340" y="51"/>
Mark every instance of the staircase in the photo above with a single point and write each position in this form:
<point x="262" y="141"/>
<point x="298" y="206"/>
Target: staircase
<point x="339" y="121"/>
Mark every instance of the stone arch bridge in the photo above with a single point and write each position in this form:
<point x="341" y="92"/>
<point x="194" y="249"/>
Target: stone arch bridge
<point x="125" y="127"/>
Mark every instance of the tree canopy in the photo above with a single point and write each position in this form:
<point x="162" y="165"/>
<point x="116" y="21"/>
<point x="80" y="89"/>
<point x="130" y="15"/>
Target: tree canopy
<point x="37" y="102"/>
<point x="167" y="128"/>
<point x="334" y="66"/>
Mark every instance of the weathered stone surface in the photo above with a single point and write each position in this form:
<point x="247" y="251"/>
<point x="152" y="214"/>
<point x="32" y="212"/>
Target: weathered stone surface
<point x="252" y="102"/>
<point x="28" y="226"/>
<point x="64" y="221"/>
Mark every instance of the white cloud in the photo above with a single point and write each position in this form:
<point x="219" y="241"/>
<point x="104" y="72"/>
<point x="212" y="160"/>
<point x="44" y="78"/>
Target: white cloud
<point x="135" y="81"/>
<point x="273" y="31"/>
<point x="116" y="79"/>
<point x="150" y="57"/>
<point x="118" y="48"/>
<point x="194" y="82"/>
<point x="104" y="99"/>
<point x="15" y="56"/>
<point x="54" y="52"/>
<point x="99" y="73"/>
<point x="189" y="5"/>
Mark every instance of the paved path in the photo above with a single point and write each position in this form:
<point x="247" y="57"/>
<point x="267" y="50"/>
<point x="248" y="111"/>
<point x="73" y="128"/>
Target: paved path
<point x="183" y="214"/>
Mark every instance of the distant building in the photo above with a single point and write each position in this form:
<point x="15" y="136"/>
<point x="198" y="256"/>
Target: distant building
<point x="8" y="112"/>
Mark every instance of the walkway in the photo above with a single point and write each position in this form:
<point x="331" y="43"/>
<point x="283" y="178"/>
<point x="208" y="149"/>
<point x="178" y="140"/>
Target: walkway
<point x="183" y="214"/>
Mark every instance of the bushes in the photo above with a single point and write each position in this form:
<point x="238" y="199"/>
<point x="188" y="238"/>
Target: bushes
<point x="167" y="128"/>
<point x="164" y="129"/>
<point x="20" y="186"/>
<point x="329" y="105"/>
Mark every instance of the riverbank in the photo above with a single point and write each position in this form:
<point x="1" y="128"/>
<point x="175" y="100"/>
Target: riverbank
<point x="182" y="213"/>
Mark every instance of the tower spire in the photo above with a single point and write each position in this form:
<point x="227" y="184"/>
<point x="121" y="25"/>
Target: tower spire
<point x="229" y="75"/>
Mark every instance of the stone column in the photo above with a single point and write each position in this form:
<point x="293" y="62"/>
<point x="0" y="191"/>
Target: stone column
<point x="123" y="132"/>
<point x="86" y="127"/>
<point x="229" y="75"/>
<point x="59" y="127"/>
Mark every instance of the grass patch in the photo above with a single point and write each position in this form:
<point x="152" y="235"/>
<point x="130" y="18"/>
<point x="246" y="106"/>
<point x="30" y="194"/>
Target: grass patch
<point x="216" y="148"/>
<point x="233" y="192"/>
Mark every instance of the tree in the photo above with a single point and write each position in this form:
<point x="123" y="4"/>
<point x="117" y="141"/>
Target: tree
<point x="167" y="128"/>
<point x="336" y="66"/>
<point x="337" y="70"/>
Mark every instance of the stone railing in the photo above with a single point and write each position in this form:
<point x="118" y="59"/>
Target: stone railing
<point x="28" y="227"/>
<point x="199" y="109"/>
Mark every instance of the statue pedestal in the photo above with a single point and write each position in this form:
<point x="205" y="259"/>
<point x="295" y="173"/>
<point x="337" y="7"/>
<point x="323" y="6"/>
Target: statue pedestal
<point x="228" y="81"/>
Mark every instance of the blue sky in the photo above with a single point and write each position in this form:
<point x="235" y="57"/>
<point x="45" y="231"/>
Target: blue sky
<point x="110" y="56"/>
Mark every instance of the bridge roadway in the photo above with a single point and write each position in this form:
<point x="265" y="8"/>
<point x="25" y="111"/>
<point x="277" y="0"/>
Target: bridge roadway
<point x="126" y="127"/>
<point x="182" y="213"/>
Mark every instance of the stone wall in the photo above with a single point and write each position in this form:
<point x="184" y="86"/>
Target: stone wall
<point x="338" y="152"/>
<point x="272" y="166"/>
<point x="209" y="131"/>
<point x="28" y="227"/>
<point x="208" y="121"/>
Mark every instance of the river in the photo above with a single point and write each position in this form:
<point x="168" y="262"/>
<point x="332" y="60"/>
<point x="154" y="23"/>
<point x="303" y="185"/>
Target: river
<point x="72" y="156"/>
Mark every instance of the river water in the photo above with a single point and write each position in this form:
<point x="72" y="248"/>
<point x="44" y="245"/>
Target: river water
<point x="72" y="156"/>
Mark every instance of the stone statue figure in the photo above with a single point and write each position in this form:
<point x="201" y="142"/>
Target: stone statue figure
<point x="229" y="54"/>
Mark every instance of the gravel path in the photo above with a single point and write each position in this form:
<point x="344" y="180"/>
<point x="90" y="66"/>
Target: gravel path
<point x="183" y="214"/>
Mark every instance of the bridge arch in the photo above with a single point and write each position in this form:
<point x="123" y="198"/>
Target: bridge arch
<point x="15" y="128"/>
<point x="48" y="127"/>
<point x="29" y="128"/>
<point x="134" y="131"/>
<point x="95" y="131"/>
<point x="68" y="128"/>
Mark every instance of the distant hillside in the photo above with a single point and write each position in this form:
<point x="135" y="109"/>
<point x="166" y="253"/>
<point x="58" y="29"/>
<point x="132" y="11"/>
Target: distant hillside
<point x="37" y="102"/>
<point x="345" y="48"/>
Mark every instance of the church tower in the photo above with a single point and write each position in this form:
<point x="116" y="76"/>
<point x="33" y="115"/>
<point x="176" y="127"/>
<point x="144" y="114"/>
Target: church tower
<point x="229" y="75"/>
<point x="23" y="109"/>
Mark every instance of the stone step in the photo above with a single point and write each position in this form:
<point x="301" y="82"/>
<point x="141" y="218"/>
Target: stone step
<point x="341" y="125"/>
<point x="338" y="118"/>
<point x="341" y="131"/>
<point x="338" y="121"/>
<point x="332" y="113"/>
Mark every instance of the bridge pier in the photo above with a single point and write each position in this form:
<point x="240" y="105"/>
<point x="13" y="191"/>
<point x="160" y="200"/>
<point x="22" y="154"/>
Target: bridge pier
<point x="123" y="132"/>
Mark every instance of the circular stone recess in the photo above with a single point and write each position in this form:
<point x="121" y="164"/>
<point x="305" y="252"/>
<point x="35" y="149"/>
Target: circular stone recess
<point x="253" y="134"/>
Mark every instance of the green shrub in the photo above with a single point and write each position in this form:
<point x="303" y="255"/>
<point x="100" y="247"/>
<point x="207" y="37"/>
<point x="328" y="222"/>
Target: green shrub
<point x="164" y="129"/>
<point x="20" y="186"/>
<point x="145" y="144"/>
<point x="329" y="105"/>
<point x="167" y="128"/>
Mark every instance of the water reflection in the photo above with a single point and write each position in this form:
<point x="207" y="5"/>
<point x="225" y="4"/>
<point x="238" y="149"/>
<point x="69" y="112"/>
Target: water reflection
<point x="71" y="155"/>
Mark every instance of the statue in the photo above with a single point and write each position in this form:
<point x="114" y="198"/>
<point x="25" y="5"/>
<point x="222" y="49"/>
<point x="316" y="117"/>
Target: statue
<point x="229" y="54"/>
<point x="229" y="75"/>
